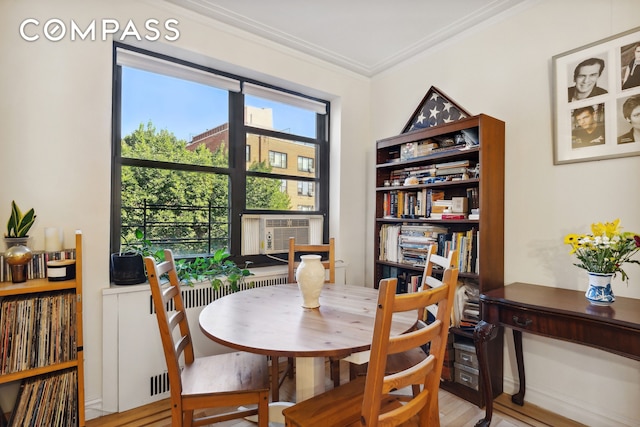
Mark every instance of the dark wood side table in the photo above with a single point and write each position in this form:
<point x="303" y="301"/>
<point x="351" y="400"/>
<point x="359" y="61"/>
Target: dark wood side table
<point x="556" y="313"/>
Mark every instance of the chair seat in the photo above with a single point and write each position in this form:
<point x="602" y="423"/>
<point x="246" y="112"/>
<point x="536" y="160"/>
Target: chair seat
<point x="226" y="373"/>
<point x="338" y="407"/>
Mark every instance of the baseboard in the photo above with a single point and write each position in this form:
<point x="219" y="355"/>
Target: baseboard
<point x="560" y="406"/>
<point x="532" y="414"/>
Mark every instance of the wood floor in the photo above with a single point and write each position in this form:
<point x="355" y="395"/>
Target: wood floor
<point x="454" y="412"/>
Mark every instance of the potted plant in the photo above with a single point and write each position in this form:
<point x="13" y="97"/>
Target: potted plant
<point x="18" y="226"/>
<point x="127" y="266"/>
<point x="217" y="268"/>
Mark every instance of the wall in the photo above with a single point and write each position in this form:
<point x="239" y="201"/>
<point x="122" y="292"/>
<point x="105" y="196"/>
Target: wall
<point x="504" y="70"/>
<point x="55" y="112"/>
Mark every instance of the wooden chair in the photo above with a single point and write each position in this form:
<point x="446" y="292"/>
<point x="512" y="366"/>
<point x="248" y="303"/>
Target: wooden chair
<point x="329" y="263"/>
<point x="369" y="401"/>
<point x="219" y="381"/>
<point x="397" y="362"/>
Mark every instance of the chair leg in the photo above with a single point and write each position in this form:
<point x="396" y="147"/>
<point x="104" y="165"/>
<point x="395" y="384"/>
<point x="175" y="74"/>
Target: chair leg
<point x="334" y="366"/>
<point x="263" y="411"/>
<point x="290" y="367"/>
<point x="275" y="379"/>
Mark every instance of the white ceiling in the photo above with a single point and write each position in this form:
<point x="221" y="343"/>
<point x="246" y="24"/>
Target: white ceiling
<point x="365" y="36"/>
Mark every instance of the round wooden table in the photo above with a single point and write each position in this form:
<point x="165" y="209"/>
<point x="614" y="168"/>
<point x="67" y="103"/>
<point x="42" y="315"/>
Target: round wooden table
<point x="270" y="320"/>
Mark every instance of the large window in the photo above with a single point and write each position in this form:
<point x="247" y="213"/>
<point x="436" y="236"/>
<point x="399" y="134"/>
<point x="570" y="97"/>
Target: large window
<point x="194" y="149"/>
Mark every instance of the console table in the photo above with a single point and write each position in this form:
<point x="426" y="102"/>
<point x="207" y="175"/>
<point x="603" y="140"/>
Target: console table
<point x="556" y="313"/>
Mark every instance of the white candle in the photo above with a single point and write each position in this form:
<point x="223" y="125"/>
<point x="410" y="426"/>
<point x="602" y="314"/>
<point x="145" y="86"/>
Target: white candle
<point x="53" y="238"/>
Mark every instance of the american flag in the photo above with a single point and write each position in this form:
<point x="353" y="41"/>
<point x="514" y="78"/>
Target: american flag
<point x="435" y="110"/>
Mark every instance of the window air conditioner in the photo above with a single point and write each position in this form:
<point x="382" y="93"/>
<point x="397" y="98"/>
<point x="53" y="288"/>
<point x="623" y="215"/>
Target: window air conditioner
<point x="268" y="234"/>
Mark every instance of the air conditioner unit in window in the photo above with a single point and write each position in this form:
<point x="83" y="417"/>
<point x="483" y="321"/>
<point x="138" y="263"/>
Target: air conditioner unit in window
<point x="268" y="234"/>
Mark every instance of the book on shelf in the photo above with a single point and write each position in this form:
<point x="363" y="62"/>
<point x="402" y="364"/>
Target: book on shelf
<point x="454" y="164"/>
<point x="453" y="215"/>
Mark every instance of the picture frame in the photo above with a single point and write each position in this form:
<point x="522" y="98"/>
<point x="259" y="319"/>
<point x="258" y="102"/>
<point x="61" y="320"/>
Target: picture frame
<point x="435" y="109"/>
<point x="596" y="110"/>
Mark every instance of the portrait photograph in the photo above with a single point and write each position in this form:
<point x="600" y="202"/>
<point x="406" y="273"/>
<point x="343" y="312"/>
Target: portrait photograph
<point x="588" y="78"/>
<point x="629" y="119"/>
<point x="594" y="95"/>
<point x="630" y="65"/>
<point x="587" y="126"/>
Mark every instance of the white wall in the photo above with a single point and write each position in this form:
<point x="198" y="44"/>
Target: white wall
<point x="55" y="111"/>
<point x="504" y="70"/>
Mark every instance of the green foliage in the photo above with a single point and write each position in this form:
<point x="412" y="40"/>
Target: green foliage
<point x="19" y="224"/>
<point x="264" y="193"/>
<point x="159" y="186"/>
<point x="141" y="246"/>
<point x="216" y="268"/>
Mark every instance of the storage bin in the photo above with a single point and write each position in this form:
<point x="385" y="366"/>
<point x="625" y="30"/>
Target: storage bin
<point x="466" y="375"/>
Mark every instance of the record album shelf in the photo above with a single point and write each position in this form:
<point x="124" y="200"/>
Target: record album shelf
<point x="444" y="185"/>
<point x="47" y="364"/>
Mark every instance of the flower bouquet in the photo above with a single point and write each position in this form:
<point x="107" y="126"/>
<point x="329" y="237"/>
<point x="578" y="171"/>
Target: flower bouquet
<point x="602" y="253"/>
<point x="606" y="249"/>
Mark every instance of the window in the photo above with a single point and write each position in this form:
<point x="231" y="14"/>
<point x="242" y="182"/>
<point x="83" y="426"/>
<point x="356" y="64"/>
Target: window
<point x="278" y="160"/>
<point x="305" y="164"/>
<point x="305" y="189"/>
<point x="180" y="132"/>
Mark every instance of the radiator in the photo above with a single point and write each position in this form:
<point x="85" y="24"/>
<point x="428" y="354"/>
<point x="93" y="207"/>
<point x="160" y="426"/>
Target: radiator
<point x="134" y="369"/>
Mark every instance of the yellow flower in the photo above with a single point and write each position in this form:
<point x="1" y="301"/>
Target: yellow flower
<point x="572" y="239"/>
<point x="608" y="229"/>
<point x="606" y="249"/>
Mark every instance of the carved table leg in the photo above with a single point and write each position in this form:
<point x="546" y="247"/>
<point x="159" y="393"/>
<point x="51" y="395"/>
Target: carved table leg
<point x="483" y="333"/>
<point x="518" y="398"/>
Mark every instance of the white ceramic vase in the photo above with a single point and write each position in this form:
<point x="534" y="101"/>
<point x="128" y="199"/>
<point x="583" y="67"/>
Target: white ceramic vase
<point x="599" y="291"/>
<point x="310" y="277"/>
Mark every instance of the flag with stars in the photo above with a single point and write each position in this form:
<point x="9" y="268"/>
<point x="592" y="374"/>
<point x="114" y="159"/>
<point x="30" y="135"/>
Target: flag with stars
<point x="435" y="109"/>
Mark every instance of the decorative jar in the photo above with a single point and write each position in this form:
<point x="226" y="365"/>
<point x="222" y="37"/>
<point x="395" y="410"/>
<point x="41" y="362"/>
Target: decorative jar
<point x="18" y="257"/>
<point x="599" y="291"/>
<point x="310" y="277"/>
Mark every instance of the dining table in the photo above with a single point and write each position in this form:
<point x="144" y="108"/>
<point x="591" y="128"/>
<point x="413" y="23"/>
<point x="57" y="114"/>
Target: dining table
<point x="270" y="320"/>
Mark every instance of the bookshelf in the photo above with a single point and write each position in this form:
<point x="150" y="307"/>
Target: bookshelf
<point x="444" y="185"/>
<point x="41" y="348"/>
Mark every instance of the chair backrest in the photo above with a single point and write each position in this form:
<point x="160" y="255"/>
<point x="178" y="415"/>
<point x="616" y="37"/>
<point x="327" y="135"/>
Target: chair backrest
<point x="165" y="297"/>
<point x="426" y="372"/>
<point x="429" y="279"/>
<point x="328" y="261"/>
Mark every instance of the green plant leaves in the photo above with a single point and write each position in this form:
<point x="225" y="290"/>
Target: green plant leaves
<point x="19" y="224"/>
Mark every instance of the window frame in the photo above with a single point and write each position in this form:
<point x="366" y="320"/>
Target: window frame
<point x="236" y="170"/>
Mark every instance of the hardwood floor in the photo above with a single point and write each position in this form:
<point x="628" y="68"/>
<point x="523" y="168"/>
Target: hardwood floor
<point x="454" y="412"/>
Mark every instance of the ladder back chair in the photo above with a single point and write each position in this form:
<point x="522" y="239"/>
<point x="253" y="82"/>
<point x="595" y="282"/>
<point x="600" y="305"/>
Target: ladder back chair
<point x="219" y="381"/>
<point x="329" y="263"/>
<point x="368" y="400"/>
<point x="434" y="267"/>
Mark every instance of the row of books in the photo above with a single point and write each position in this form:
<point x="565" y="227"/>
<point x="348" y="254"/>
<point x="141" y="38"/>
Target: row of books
<point x="50" y="400"/>
<point x="37" y="331"/>
<point x="421" y="174"/>
<point x="37" y="267"/>
<point x="429" y="203"/>
<point x="408" y="244"/>
<point x="466" y="308"/>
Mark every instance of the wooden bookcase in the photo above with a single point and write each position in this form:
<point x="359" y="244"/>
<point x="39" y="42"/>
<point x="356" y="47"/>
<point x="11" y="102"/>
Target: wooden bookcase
<point x="483" y="188"/>
<point x="50" y="364"/>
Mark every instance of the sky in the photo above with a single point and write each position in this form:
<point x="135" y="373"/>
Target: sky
<point x="187" y="108"/>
